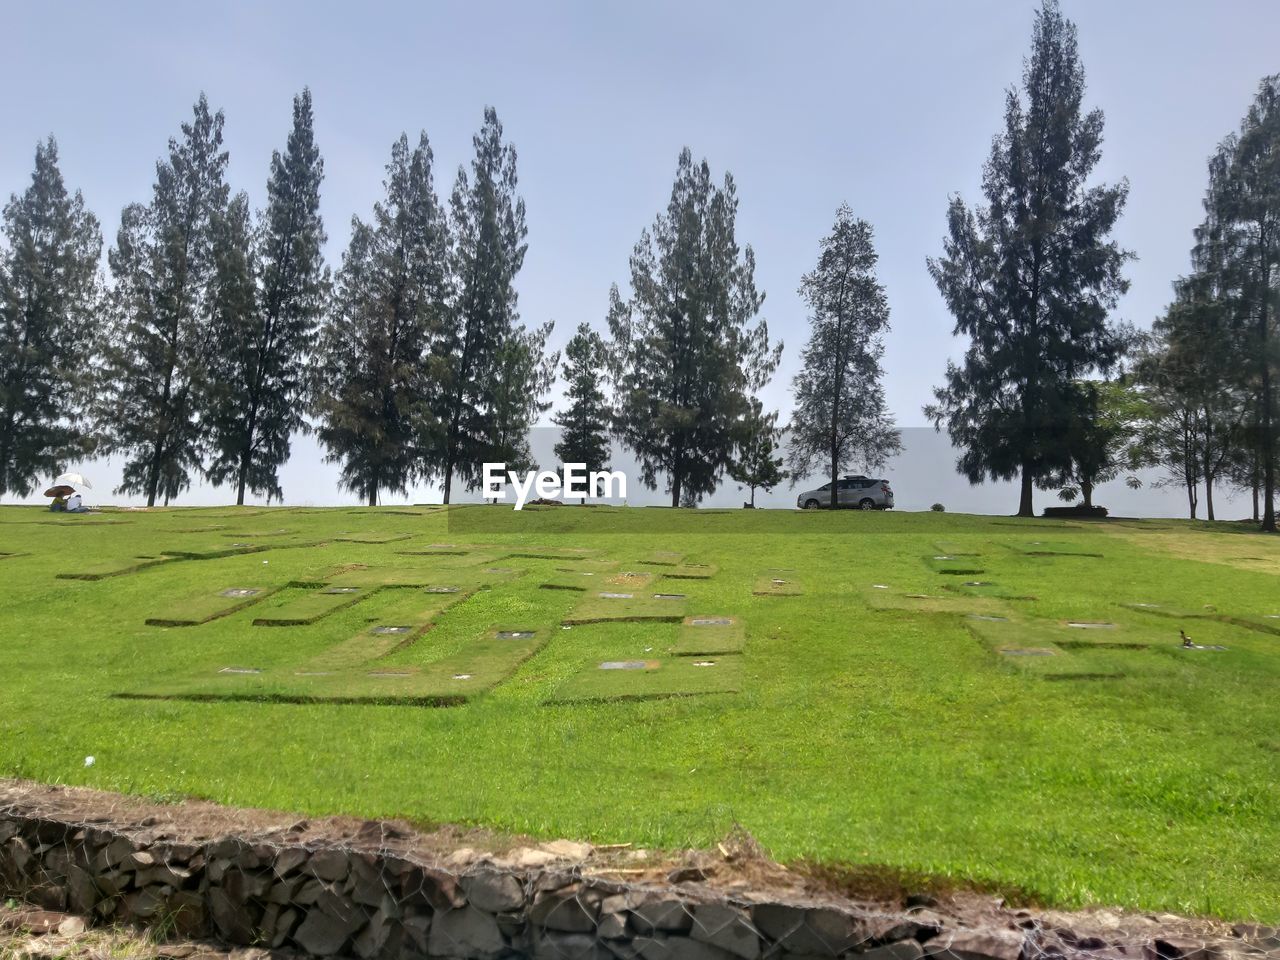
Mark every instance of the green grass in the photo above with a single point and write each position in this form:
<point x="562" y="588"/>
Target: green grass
<point x="868" y="720"/>
<point x="709" y="634"/>
<point x="617" y="681"/>
<point x="205" y="605"/>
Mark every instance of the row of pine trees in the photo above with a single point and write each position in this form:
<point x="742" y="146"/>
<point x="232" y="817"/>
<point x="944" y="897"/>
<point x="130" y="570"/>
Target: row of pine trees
<point x="218" y="333"/>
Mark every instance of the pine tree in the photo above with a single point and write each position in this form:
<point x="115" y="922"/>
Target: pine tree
<point x="1101" y="440"/>
<point x="489" y="227"/>
<point x="523" y="373"/>
<point x="49" y="297"/>
<point x="1031" y="276"/>
<point x="1190" y="423"/>
<point x="1243" y="230"/>
<point x="584" y="423"/>
<point x="689" y="355"/>
<point x="840" y="416"/>
<point x="256" y="401"/>
<point x="164" y="267"/>
<point x="374" y="379"/>
<point x="756" y="465"/>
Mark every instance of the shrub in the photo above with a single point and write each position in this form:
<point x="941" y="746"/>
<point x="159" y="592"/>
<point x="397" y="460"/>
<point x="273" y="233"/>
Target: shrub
<point x="1078" y="511"/>
<point x="938" y="508"/>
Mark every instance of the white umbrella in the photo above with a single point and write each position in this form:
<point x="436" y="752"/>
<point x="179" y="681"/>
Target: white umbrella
<point x="73" y="480"/>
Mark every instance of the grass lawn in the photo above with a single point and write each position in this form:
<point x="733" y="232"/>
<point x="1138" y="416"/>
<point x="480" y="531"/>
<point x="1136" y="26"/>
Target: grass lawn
<point x="981" y="699"/>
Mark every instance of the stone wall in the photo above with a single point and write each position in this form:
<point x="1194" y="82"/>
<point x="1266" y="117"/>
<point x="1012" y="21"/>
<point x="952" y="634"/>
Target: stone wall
<point x="366" y="900"/>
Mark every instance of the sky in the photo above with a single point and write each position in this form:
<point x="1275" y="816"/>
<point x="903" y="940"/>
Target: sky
<point x="888" y="107"/>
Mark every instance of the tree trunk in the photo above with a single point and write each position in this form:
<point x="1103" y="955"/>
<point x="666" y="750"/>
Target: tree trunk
<point x="1208" y="497"/>
<point x="1086" y="491"/>
<point x="1191" y="500"/>
<point x="1254" y="491"/>
<point x="1025" y="506"/>
<point x="246" y="455"/>
<point x="835" y="477"/>
<point x="153" y="475"/>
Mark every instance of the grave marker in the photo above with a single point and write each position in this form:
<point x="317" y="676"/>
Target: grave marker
<point x="203" y="607"/>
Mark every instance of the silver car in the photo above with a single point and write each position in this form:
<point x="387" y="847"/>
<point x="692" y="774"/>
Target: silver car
<point x="865" y="493"/>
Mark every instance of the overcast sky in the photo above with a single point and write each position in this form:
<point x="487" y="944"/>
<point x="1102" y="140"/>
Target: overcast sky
<point x="888" y="107"/>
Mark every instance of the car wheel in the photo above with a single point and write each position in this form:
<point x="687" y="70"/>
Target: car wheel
<point x="866" y="503"/>
<point x="811" y="504"/>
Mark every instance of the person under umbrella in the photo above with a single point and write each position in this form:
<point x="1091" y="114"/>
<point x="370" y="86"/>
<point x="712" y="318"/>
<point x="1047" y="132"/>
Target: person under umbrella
<point x="66" y="496"/>
<point x="61" y="494"/>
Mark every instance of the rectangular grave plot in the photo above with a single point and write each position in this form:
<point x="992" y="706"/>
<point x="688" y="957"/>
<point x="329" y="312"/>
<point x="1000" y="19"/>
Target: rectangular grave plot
<point x="310" y="606"/>
<point x="622" y="679"/>
<point x="690" y="571"/>
<point x="204" y="607"/>
<point x="1266" y="623"/>
<point x="706" y="635"/>
<point x="604" y="606"/>
<point x="436" y="550"/>
<point x="663" y="558"/>
<point x="370" y="538"/>
<point x="379" y="640"/>
<point x="778" y="583"/>
<point x="579" y="581"/>
<point x="1160" y="609"/>
<point x="352" y="685"/>
<point x="413" y="576"/>
<point x="537" y="552"/>
<point x="213" y="547"/>
<point x="1052" y="548"/>
<point x="986" y="588"/>
<point x="958" y="548"/>
<point x="935" y="602"/>
<point x="1076" y="654"/>
<point x="481" y="664"/>
<point x="115" y="567"/>
<point x="398" y="619"/>
<point x="954" y="565"/>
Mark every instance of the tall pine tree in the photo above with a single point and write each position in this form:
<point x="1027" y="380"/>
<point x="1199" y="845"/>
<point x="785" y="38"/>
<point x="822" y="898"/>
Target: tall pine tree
<point x="164" y="267"/>
<point x="522" y="374"/>
<point x="840" y="414"/>
<point x="757" y="465"/>
<point x="1031" y="276"/>
<point x="49" y="298"/>
<point x="584" y="423"/>
<point x="265" y="334"/>
<point x="489" y="228"/>
<point x="690" y="349"/>
<point x="375" y="380"/>
<point x="1243" y="224"/>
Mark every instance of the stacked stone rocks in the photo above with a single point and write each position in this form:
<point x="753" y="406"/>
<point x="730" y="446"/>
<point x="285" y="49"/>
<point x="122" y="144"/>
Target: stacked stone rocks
<point x="329" y="901"/>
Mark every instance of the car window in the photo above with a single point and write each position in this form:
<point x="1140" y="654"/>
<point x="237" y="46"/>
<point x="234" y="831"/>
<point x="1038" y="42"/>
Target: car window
<point x="825" y="486"/>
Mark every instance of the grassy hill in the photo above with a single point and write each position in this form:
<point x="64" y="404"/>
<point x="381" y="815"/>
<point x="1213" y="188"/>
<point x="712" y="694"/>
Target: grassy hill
<point x="984" y="699"/>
